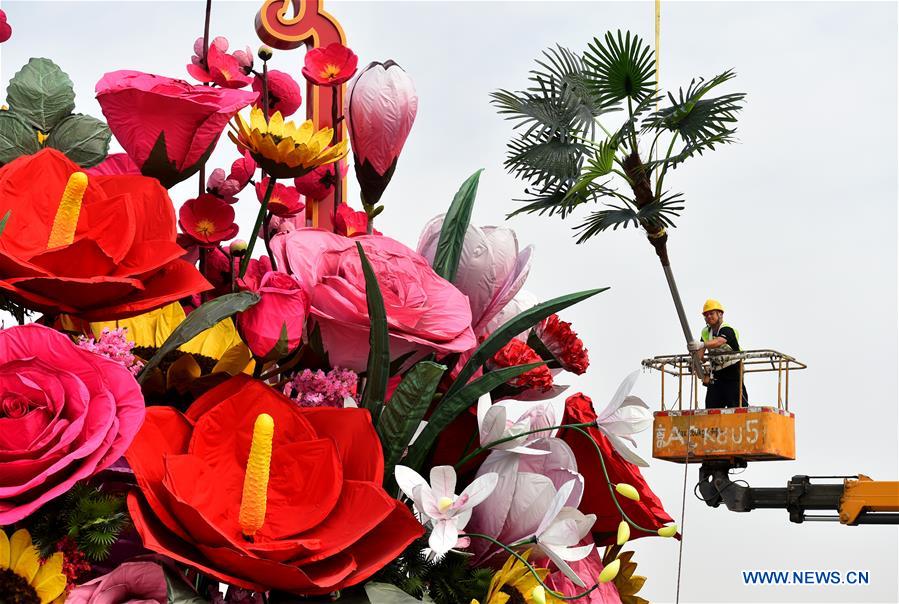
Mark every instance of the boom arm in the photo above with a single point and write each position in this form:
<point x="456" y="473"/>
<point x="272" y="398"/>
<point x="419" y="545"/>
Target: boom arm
<point x="857" y="499"/>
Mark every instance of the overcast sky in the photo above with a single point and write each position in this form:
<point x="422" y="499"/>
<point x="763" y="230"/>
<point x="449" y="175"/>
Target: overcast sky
<point x="793" y="229"/>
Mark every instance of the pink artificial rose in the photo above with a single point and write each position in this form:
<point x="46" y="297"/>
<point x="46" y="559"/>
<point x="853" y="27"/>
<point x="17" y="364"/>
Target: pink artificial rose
<point x="380" y="107"/>
<point x="65" y="414"/>
<point x="491" y="270"/>
<point x="424" y="312"/>
<point x="129" y="583"/>
<point x="588" y="570"/>
<point x="273" y="327"/>
<point x="167" y="126"/>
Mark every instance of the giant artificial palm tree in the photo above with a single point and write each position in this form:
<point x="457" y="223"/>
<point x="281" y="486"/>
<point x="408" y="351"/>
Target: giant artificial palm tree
<point x="569" y="158"/>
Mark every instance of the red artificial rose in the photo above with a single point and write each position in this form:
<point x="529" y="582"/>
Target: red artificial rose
<point x="647" y="512"/>
<point x="123" y="259"/>
<point x="330" y="66"/>
<point x="167" y="126"/>
<point x="563" y="343"/>
<point x="517" y="352"/>
<point x="273" y="327"/>
<point x="207" y="219"/>
<point x="329" y="524"/>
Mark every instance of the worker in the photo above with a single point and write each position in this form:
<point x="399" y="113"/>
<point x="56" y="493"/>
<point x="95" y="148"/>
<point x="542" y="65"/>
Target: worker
<point x="725" y="383"/>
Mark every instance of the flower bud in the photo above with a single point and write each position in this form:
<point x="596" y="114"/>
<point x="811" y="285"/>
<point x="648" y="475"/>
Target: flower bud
<point x="538" y="595"/>
<point x="265" y="53"/>
<point x="238" y="248"/>
<point x="610" y="571"/>
<point x="624" y="532"/>
<point x="628" y="491"/>
<point x="669" y="530"/>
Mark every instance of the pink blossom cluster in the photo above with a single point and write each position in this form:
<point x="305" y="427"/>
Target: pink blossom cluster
<point x="113" y="345"/>
<point x="319" y="389"/>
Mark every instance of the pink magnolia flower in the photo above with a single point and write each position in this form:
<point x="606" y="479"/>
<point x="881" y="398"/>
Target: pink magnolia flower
<point x="509" y="417"/>
<point x="319" y="183"/>
<point x="273" y="327"/>
<point x="330" y="66"/>
<point x="168" y="127"/>
<point x="491" y="270"/>
<point x="284" y="201"/>
<point x="284" y="93"/>
<point x="220" y="68"/>
<point x="228" y="186"/>
<point x="380" y="108"/>
<point x="113" y="165"/>
<point x="424" y="312"/>
<point x="5" y="29"/>
<point x="65" y="414"/>
<point x="446" y="512"/>
<point x="128" y="583"/>
<point x="207" y="219"/>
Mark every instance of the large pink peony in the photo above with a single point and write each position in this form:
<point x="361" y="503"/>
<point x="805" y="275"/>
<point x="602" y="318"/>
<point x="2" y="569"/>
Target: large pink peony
<point x="65" y="414"/>
<point x="168" y="127"/>
<point x="424" y="312"/>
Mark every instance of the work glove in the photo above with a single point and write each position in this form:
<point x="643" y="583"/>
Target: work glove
<point x="695" y="346"/>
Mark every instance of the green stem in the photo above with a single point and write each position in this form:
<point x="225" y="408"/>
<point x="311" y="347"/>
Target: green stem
<point x="530" y="568"/>
<point x="630" y="115"/>
<point x="506" y="439"/>
<point x="266" y="238"/>
<point x="263" y="208"/>
<point x="665" y="166"/>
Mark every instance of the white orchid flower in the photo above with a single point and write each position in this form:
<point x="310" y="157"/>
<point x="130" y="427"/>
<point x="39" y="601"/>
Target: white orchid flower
<point x="561" y="529"/>
<point x="509" y="418"/>
<point x="447" y="512"/>
<point x="623" y="417"/>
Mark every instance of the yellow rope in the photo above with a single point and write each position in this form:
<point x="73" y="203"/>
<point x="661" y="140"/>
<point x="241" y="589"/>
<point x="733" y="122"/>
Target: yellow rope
<point x="658" y="44"/>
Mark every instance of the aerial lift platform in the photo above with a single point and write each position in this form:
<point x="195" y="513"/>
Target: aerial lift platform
<point x="722" y="440"/>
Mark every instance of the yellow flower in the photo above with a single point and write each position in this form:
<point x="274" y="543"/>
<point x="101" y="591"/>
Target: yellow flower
<point x="22" y="576"/>
<point x="208" y="359"/>
<point x="283" y="149"/>
<point x="627" y="583"/>
<point x="514" y="583"/>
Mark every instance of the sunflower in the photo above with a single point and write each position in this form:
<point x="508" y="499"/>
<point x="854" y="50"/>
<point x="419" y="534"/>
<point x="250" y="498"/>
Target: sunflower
<point x="201" y="363"/>
<point x="515" y="584"/>
<point x="627" y="582"/>
<point x="283" y="149"/>
<point x="23" y="579"/>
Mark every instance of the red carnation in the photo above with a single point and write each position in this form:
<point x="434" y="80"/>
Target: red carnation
<point x="517" y="352"/>
<point x="328" y="524"/>
<point x="330" y="66"/>
<point x="563" y="343"/>
<point x="207" y="219"/>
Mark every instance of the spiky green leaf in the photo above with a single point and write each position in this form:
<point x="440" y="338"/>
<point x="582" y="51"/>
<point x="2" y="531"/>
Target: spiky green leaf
<point x="455" y="225"/>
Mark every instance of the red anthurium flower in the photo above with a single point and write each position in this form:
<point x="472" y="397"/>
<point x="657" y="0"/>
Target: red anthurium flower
<point x="105" y="255"/>
<point x="327" y="523"/>
<point x="5" y="29"/>
<point x="284" y="202"/>
<point x="168" y="127"/>
<point x="207" y="219"/>
<point x="647" y="512"/>
<point x="330" y="66"/>
<point x="316" y="185"/>
<point x="283" y="93"/>
<point x="220" y="68"/>
<point x="380" y="108"/>
<point x="350" y="223"/>
<point x="563" y="343"/>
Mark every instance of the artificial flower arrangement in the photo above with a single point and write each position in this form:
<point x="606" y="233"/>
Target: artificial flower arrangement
<point x="339" y="417"/>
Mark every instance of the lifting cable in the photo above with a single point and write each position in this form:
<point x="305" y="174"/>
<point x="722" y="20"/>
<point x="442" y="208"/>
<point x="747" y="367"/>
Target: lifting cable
<point x="683" y="505"/>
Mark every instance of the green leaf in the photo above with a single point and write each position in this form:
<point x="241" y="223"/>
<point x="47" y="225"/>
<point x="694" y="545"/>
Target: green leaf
<point x="4" y="220"/>
<point x="16" y="138"/>
<point x="512" y="328"/>
<point x="407" y="407"/>
<point x="451" y="406"/>
<point x="204" y="317"/>
<point x="84" y="139"/>
<point x="378" y="372"/>
<point x="455" y="225"/>
<point x="41" y="93"/>
<point x="179" y="592"/>
<point x="622" y="67"/>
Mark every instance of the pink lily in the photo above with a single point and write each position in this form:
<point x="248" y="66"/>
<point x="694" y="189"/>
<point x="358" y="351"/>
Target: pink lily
<point x="561" y="529"/>
<point x="624" y="416"/>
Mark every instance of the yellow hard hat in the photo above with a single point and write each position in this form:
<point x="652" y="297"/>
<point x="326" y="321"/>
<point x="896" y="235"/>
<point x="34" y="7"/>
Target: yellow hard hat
<point x="711" y="304"/>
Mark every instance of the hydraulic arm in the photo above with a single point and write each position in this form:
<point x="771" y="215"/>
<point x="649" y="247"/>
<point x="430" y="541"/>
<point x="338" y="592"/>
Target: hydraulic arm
<point x="855" y="499"/>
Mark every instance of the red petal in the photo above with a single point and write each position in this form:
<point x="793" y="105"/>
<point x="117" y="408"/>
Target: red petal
<point x="356" y="440"/>
<point x="154" y="214"/>
<point x="213" y="397"/>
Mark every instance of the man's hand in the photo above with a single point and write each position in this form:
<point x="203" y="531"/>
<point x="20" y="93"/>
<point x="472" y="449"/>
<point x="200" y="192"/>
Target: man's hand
<point x="696" y="346"/>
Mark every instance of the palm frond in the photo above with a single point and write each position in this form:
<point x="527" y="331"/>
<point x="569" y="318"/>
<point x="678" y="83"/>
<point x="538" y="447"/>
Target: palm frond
<point x="691" y="149"/>
<point x="660" y="212"/>
<point x="544" y="160"/>
<point x="622" y="67"/>
<point x="697" y="119"/>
